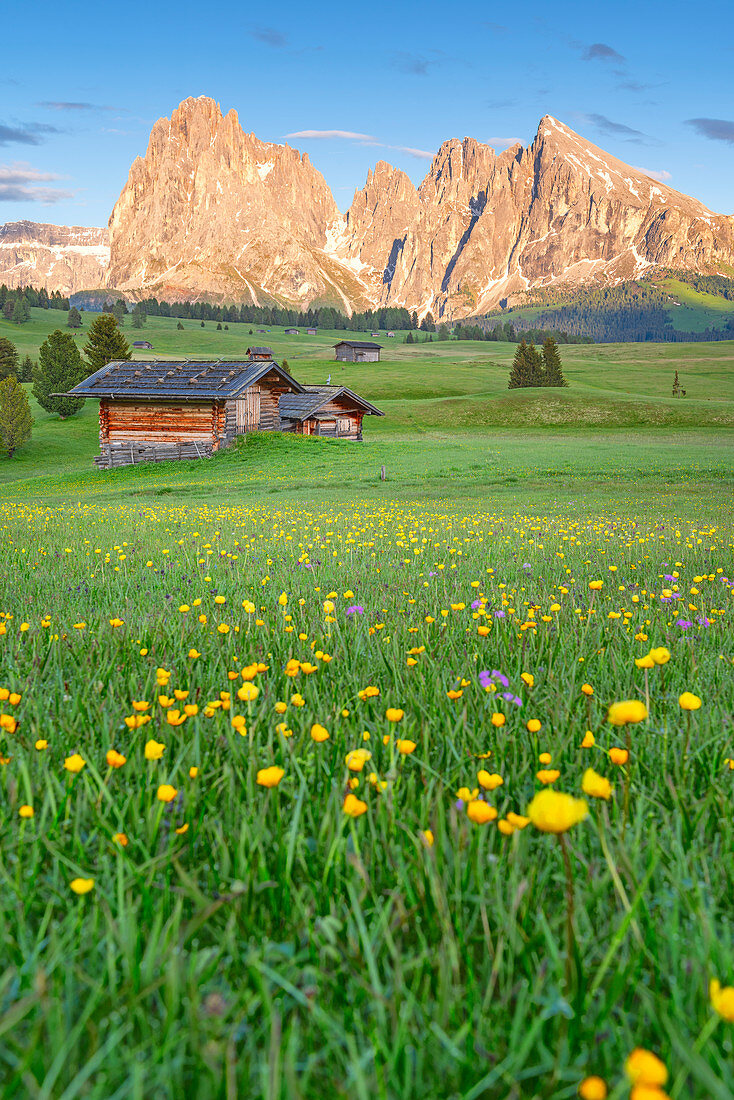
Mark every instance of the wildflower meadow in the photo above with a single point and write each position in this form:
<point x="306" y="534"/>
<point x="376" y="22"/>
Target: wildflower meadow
<point x="382" y="801"/>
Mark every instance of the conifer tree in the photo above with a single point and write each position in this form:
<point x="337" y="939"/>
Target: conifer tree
<point x="75" y="318"/>
<point x="521" y="374"/>
<point x="676" y="385"/>
<point x="15" y="416"/>
<point x="60" y="367"/>
<point x="552" y="366"/>
<point x="105" y="343"/>
<point x="8" y="358"/>
<point x="21" y="310"/>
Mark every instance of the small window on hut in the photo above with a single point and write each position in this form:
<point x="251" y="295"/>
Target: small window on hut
<point x="343" y="426"/>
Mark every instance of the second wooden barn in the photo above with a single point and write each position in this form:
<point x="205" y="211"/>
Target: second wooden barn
<point x="332" y="411"/>
<point x="162" y="410"/>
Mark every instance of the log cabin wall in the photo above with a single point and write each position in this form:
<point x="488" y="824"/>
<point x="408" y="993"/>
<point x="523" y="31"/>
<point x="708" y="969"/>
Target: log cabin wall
<point x="272" y="388"/>
<point x="161" y="422"/>
<point x="347" y="420"/>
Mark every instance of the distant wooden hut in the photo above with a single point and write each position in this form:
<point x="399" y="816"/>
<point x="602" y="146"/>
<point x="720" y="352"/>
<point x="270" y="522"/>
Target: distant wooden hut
<point x="292" y="332"/>
<point x="311" y="331"/>
<point x="260" y="353"/>
<point x="160" y="410"/>
<point x="332" y="411"/>
<point x="143" y="344"/>
<point x="357" y="351"/>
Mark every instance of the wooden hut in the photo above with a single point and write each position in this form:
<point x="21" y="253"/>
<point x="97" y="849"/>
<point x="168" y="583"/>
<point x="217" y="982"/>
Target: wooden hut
<point x="260" y="353"/>
<point x="357" y="351"/>
<point x="331" y="411"/>
<point x="161" y="410"/>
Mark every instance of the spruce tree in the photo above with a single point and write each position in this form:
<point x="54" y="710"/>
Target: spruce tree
<point x="521" y="372"/>
<point x="552" y="366"/>
<point x="74" y="319"/>
<point x="21" y="310"/>
<point x="676" y="385"/>
<point x="8" y="358"/>
<point x="535" y="365"/>
<point x="15" y="416"/>
<point x="60" y="368"/>
<point x="180" y="327"/>
<point x="105" y="343"/>
<point x="25" y="370"/>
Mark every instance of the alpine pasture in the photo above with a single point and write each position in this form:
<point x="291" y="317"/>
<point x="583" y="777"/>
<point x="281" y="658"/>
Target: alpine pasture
<point x="317" y="784"/>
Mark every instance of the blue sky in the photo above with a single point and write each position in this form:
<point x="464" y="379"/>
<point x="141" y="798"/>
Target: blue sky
<point x="82" y="83"/>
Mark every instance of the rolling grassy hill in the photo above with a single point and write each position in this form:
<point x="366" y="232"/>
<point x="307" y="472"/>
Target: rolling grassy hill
<point x="451" y="424"/>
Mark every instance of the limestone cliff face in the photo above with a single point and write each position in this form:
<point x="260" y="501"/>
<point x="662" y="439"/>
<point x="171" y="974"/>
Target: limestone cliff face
<point x="213" y="212"/>
<point x="560" y="211"/>
<point x="59" y="257"/>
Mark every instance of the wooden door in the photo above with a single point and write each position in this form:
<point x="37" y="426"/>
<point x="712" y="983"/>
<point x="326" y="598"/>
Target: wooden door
<point x="248" y="410"/>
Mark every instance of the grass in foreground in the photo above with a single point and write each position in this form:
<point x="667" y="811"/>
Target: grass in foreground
<point x="239" y="939"/>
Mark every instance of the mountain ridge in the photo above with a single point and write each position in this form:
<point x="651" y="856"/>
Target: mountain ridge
<point x="211" y="211"/>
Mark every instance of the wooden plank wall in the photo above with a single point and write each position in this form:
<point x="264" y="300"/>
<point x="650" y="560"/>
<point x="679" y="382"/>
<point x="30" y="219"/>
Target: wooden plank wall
<point x="162" y="422"/>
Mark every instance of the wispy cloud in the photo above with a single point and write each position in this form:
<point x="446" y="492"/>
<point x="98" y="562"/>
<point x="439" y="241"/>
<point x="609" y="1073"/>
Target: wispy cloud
<point x="600" y="51"/>
<point x="414" y="64"/>
<point x="362" y="139"/>
<point x="63" y="105"/>
<point x="31" y="133"/>
<point x="503" y="142"/>
<point x="655" y="173"/>
<point x="616" y="129"/>
<point x="718" y="129"/>
<point x="328" y="134"/>
<point x="19" y="183"/>
<point x="269" y="36"/>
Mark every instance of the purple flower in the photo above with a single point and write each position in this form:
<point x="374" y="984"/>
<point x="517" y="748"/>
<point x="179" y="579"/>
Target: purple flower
<point x="476" y="604"/>
<point x="510" y="698"/>
<point x="703" y="621"/>
<point x="499" y="614"/>
<point x="684" y="624"/>
<point x="355" y="609"/>
<point x="499" y="677"/>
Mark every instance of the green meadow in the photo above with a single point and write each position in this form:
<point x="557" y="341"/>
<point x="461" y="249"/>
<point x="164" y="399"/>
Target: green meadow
<point x="313" y="784"/>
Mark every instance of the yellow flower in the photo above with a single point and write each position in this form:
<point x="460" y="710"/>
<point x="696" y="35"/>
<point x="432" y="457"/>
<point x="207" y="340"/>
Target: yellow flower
<point x="489" y="781"/>
<point x="618" y="756"/>
<point x="545" y="758"/>
<point x="74" y="763"/>
<point x="505" y="827"/>
<point x="121" y="839"/>
<point x="587" y="689"/>
<point x="405" y="747"/>
<point x="427" y="838"/>
<point x="82" y="885"/>
<point x="116" y="622"/>
<point x="533" y="726"/>
<point x="26" y="811"/>
<point x="270" y="777"/>
<point x="593" y="1088"/>
<point x="660" y="655"/>
<point x="298" y="700"/>
<point x="357" y="758"/>
<point x="527" y="678"/>
<point x="41" y="744"/>
<point x="223" y="628"/>
<point x="282" y="599"/>
<point x="689" y="701"/>
<point x="154" y="750"/>
<point x="140" y="705"/>
<point x="553" y="812"/>
<point x="645" y="662"/>
<point x="182" y="829"/>
<point x="353" y="806"/>
<point x="645" y="1068"/>
<point x="498" y="719"/>
<point x="628" y="712"/>
<point x="454" y="694"/>
<point x="370" y="692"/>
<point x="479" y="812"/>
<point x="548" y="775"/>
<point x="589" y="740"/>
<point x="722" y="1000"/>
<point x="595" y="586"/>
<point x="319" y="733"/>
<point x="517" y="820"/>
<point x="393" y="714"/>
<point x="193" y="772"/>
<point x="115" y="759"/>
<point x="193" y="654"/>
<point x="166" y="793"/>
<point x="219" y="599"/>
<point x="596" y="786"/>
<point x="466" y="795"/>
<point x="248" y="693"/>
